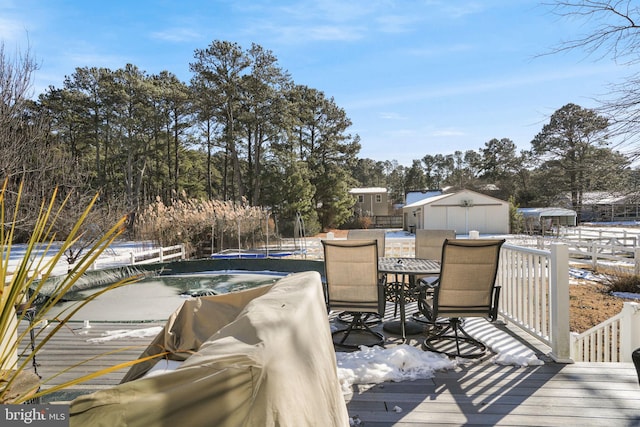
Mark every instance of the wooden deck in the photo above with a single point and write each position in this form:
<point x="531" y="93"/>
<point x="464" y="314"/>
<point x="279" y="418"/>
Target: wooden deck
<point x="486" y="394"/>
<point x="476" y="393"/>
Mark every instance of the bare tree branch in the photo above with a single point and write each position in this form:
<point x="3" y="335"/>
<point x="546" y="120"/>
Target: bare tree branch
<point x="611" y="28"/>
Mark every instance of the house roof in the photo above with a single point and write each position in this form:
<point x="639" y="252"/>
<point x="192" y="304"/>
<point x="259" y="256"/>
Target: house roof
<point x="607" y="198"/>
<point x="550" y="211"/>
<point x="414" y="196"/>
<point x="433" y="199"/>
<point x="427" y="200"/>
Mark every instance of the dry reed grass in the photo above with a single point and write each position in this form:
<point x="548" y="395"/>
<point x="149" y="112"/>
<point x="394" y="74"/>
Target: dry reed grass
<point x="194" y="222"/>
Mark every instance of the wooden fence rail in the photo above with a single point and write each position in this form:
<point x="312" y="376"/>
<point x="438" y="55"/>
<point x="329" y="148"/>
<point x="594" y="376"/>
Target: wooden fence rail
<point x="158" y="255"/>
<point x="599" y="254"/>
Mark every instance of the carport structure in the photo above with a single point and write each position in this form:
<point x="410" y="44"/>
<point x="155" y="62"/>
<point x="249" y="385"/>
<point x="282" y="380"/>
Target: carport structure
<point x="542" y="220"/>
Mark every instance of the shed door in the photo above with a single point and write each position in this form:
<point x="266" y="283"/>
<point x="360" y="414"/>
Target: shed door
<point x="457" y="219"/>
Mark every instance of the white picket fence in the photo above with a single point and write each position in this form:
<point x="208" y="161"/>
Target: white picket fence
<point x="160" y="254"/>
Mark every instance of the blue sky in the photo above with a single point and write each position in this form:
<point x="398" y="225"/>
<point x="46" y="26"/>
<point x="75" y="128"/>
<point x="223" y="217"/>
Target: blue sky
<point x="415" y="77"/>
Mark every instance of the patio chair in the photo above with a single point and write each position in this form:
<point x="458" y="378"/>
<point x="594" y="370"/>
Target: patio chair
<point x="366" y="234"/>
<point x="465" y="288"/>
<point x="354" y="287"/>
<point x="635" y="356"/>
<point x="391" y="290"/>
<point x="428" y="244"/>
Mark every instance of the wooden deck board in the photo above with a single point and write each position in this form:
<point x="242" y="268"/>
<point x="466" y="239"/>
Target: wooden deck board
<point x="577" y="394"/>
<point x="475" y="393"/>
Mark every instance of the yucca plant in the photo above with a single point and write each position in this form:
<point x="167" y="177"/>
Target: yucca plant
<point x="22" y="287"/>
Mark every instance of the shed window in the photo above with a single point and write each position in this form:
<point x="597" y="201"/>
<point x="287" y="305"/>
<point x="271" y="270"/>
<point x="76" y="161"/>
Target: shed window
<point x="378" y="198"/>
<point x="360" y="198"/>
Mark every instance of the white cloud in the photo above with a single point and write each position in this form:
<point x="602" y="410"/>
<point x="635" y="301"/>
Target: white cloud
<point x="438" y="50"/>
<point x="461" y="88"/>
<point x="12" y="30"/>
<point x="447" y="133"/>
<point x="332" y="32"/>
<point x="391" y="116"/>
<point x="397" y="23"/>
<point x="92" y="59"/>
<point x="176" y="35"/>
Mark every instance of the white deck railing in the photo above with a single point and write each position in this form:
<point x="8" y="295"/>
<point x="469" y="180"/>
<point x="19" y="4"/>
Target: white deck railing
<point x="611" y="341"/>
<point x="535" y="297"/>
<point x="535" y="294"/>
<point x="534" y="290"/>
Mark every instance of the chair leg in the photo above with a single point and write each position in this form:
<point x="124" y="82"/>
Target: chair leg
<point x="29" y="315"/>
<point x="635" y="356"/>
<point x="357" y="326"/>
<point x="369" y="319"/>
<point x="454" y="332"/>
<point x="425" y="313"/>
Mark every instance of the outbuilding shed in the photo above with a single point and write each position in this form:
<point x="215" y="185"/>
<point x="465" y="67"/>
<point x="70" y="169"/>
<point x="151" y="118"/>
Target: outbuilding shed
<point x="461" y="211"/>
<point x="544" y="219"/>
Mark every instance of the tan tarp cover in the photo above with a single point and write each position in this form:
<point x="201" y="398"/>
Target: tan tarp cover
<point x="261" y="357"/>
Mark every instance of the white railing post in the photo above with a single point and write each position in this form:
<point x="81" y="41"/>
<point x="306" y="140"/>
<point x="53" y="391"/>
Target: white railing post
<point x="559" y="300"/>
<point x="629" y="330"/>
<point x="183" y="253"/>
<point x="161" y="254"/>
<point x="575" y="347"/>
<point x="132" y="258"/>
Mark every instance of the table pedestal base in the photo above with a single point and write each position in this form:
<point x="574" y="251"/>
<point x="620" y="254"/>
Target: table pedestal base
<point x="410" y="328"/>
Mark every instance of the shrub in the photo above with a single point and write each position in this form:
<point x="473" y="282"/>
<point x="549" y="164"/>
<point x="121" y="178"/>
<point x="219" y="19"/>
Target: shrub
<point x="357" y="222"/>
<point x="622" y="281"/>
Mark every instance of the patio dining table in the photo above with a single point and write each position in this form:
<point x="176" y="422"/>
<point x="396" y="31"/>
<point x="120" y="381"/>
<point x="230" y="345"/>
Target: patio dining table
<point x="403" y="269"/>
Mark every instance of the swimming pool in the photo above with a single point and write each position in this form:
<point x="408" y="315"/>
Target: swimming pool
<point x="256" y="253"/>
<point x="156" y="297"/>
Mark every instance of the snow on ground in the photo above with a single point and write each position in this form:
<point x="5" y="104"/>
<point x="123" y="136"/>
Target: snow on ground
<point x="125" y="333"/>
<point x="374" y="365"/>
<point x="118" y="254"/>
<point x="627" y="295"/>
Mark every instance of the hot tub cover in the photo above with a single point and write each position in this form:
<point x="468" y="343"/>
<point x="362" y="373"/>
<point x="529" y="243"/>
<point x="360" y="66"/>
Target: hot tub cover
<point x="260" y="357"/>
